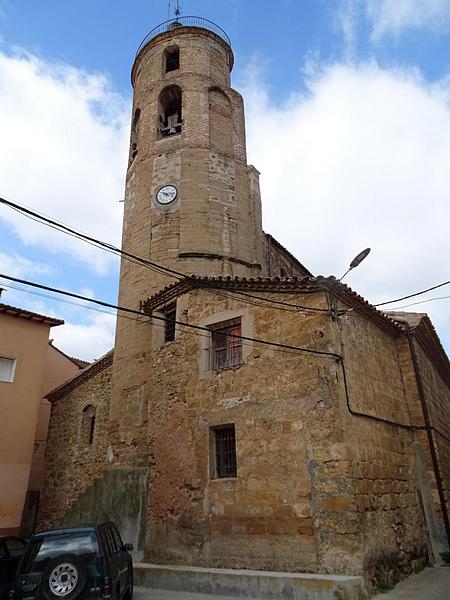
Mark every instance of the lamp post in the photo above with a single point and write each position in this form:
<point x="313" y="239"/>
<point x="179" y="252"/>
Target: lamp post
<point x="356" y="261"/>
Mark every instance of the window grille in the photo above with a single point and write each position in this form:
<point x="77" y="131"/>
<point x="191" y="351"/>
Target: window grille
<point x="169" y="331"/>
<point x="226" y="349"/>
<point x="225" y="451"/>
<point x="7" y="368"/>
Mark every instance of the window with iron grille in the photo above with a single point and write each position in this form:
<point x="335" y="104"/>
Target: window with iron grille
<point x="226" y="347"/>
<point x="170" y="313"/>
<point x="225" y="451"/>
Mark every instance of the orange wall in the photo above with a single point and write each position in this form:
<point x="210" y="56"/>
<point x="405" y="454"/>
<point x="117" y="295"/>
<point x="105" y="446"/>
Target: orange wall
<point x="58" y="369"/>
<point x="27" y="342"/>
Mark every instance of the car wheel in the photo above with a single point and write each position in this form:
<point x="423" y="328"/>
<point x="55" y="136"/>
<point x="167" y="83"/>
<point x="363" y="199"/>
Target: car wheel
<point x="64" y="578"/>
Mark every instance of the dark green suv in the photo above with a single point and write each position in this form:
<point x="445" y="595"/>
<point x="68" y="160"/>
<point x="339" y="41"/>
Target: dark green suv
<point x="91" y="563"/>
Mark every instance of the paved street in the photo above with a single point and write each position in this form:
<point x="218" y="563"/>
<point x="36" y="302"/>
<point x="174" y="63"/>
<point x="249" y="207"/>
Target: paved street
<point x="430" y="584"/>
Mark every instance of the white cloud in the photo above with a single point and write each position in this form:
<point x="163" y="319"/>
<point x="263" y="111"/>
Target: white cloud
<point x="392" y="17"/>
<point x="88" y="340"/>
<point x="19" y="266"/>
<point x="362" y="160"/>
<point x="347" y="18"/>
<point x="63" y="153"/>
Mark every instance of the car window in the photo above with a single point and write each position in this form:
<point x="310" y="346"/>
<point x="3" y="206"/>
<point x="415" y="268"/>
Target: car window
<point x="117" y="538"/>
<point x="15" y="546"/>
<point x="112" y="541"/>
<point x="107" y="543"/>
<point x="83" y="545"/>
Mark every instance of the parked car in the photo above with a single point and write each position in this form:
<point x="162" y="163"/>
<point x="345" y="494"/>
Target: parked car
<point x="11" y="549"/>
<point x="91" y="563"/>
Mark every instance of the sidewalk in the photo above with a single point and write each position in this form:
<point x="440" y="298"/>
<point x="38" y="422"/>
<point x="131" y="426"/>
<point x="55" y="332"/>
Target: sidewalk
<point x="431" y="584"/>
<point x="141" y="593"/>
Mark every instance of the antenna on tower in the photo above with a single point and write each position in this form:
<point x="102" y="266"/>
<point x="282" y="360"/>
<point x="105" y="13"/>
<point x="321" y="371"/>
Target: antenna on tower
<point x="178" y="10"/>
<point x="168" y="9"/>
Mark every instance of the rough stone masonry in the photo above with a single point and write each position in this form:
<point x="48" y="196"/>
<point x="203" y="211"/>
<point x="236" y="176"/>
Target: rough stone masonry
<point x="238" y="453"/>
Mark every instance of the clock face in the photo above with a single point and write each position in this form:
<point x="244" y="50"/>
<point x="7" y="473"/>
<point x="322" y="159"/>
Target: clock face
<point x="166" y="194"/>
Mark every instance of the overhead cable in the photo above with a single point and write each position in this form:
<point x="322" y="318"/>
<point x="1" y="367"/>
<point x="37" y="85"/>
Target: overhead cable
<point x="39" y="218"/>
<point x="164" y="319"/>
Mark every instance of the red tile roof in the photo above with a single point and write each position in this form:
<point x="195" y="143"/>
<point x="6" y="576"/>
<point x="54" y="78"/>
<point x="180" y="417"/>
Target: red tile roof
<point x="13" y="311"/>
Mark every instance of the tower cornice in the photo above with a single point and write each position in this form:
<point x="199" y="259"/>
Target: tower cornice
<point x="179" y="27"/>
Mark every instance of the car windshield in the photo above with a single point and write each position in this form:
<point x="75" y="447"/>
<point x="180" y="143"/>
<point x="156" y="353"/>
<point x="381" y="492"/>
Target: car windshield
<point x="83" y="545"/>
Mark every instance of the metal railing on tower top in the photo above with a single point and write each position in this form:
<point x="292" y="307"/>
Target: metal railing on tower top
<point x="184" y="22"/>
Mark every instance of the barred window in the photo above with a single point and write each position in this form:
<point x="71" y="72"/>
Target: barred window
<point x="226" y="347"/>
<point x="170" y="313"/>
<point x="225" y="463"/>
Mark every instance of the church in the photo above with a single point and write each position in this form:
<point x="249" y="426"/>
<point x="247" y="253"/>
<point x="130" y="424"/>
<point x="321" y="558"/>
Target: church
<point x="252" y="415"/>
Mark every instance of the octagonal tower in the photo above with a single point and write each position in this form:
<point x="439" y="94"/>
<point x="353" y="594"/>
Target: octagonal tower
<point x="191" y="203"/>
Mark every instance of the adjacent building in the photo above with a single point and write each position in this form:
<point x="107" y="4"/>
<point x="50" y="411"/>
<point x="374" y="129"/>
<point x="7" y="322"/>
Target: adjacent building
<point x="30" y="367"/>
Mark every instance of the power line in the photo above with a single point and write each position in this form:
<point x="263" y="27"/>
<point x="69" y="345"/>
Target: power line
<point x="165" y="320"/>
<point x="172" y="272"/>
<point x="145" y="319"/>
<point x="435" y="287"/>
<point x="200" y="331"/>
<point x="422" y="302"/>
<point x="35" y="216"/>
<point x="43" y="219"/>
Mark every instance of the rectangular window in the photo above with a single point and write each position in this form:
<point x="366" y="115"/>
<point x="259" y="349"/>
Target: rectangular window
<point x="170" y="313"/>
<point x="7" y="368"/>
<point x="225" y="464"/>
<point x="172" y="59"/>
<point x="226" y="349"/>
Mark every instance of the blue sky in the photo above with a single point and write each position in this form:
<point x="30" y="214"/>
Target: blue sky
<point x="354" y="96"/>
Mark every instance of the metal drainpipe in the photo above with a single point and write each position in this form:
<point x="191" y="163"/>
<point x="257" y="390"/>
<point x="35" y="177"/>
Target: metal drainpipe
<point x="426" y="417"/>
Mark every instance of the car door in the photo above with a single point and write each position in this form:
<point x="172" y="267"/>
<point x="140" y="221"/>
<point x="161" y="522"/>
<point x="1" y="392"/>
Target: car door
<point x="122" y="556"/>
<point x="11" y="550"/>
<point x="113" y="562"/>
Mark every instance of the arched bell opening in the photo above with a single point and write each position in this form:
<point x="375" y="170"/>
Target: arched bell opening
<point x="169" y="111"/>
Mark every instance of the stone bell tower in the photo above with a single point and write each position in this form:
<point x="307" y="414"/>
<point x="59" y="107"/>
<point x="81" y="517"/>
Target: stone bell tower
<point x="191" y="203"/>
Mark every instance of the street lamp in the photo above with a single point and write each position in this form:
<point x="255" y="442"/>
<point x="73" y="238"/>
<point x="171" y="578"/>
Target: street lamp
<point x="356" y="261"/>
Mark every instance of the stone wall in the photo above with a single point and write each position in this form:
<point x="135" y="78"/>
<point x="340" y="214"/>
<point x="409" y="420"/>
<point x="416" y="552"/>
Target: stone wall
<point x="317" y="488"/>
<point x="328" y="474"/>
<point x="280" y="262"/>
<point x="437" y="398"/>
<point x="284" y="416"/>
<point x="72" y="465"/>
<point x="382" y="526"/>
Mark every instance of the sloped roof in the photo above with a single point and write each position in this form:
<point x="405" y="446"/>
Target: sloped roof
<point x="424" y="332"/>
<point x="81" y="364"/>
<point x="21" y="313"/>
<point x="295" y="260"/>
<point x="82" y="376"/>
<point x="276" y="284"/>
